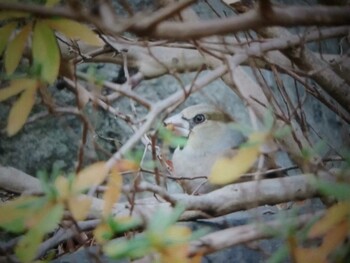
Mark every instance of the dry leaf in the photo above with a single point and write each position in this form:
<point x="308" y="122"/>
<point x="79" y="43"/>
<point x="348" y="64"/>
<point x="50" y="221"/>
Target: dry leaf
<point x="20" y="110"/>
<point x="15" y="49"/>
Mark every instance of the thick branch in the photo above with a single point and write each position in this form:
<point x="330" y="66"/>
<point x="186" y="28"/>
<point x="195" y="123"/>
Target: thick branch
<point x="243" y="234"/>
<point x="220" y="202"/>
<point x="280" y="16"/>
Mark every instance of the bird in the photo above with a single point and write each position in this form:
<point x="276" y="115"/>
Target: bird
<point x="210" y="135"/>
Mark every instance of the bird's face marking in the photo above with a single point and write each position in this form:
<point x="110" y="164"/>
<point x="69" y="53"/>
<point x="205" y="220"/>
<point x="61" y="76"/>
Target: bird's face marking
<point x="195" y="117"/>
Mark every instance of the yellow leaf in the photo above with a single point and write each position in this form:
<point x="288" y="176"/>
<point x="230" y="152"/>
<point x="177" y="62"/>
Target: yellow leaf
<point x="333" y="216"/>
<point x="5" y="33"/>
<point x="126" y="165"/>
<point x="20" y="111"/>
<point x="15" y="49"/>
<point x="112" y="192"/>
<point x="16" y="86"/>
<point x="79" y="206"/>
<point x="92" y="175"/>
<point x="75" y="30"/>
<point x="229" y="169"/>
<point x="62" y="186"/>
<point x="46" y="54"/>
<point x="174" y="254"/>
<point x="178" y="233"/>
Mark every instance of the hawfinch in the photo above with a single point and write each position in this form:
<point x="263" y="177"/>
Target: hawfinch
<point x="209" y="137"/>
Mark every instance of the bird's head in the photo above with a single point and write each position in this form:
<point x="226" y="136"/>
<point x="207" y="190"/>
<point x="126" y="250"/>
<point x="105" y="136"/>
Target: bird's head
<point x="205" y="126"/>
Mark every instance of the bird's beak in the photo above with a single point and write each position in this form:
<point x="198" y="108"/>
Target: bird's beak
<point x="178" y="125"/>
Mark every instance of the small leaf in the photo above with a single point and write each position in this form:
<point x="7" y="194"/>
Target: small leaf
<point x="44" y="222"/>
<point x="27" y="247"/>
<point x="227" y="170"/>
<point x="46" y="54"/>
<point x="75" y="30"/>
<point x="103" y="233"/>
<point x="15" y="49"/>
<point x="333" y="216"/>
<point x="16" y="86"/>
<point x="79" y="206"/>
<point x="47" y="218"/>
<point x="14" y="213"/>
<point x="63" y="187"/>
<point x="5" y="33"/>
<point x="178" y="233"/>
<point x="126" y="165"/>
<point x="112" y="192"/>
<point x="268" y="120"/>
<point x="338" y="190"/>
<point x="92" y="175"/>
<point x="20" y="111"/>
<point x="134" y="248"/>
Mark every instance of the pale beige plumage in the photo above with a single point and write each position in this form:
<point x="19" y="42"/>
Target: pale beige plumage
<point x="210" y="136"/>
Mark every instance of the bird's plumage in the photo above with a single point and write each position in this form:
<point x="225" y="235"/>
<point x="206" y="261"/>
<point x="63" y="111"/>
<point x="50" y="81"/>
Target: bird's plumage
<point x="209" y="136"/>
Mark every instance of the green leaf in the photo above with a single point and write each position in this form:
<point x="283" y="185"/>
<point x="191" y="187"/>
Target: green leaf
<point x="162" y="219"/>
<point x="134" y="248"/>
<point x="282" y="132"/>
<point x="15" y="49"/>
<point x="268" y="120"/>
<point x="46" y="54"/>
<point x="280" y="255"/>
<point x="5" y="33"/>
<point x="27" y="247"/>
<point x="51" y="219"/>
<point x="340" y="191"/>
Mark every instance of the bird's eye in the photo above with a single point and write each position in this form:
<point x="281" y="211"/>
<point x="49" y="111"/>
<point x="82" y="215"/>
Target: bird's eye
<point x="199" y="118"/>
